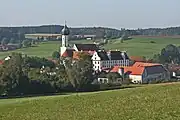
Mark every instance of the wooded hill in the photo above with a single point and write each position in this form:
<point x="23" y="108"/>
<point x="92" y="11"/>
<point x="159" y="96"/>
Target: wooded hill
<point x="101" y="32"/>
<point x="18" y="32"/>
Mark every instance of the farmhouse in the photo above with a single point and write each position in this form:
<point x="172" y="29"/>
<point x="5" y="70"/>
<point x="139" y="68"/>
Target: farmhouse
<point x="143" y="72"/>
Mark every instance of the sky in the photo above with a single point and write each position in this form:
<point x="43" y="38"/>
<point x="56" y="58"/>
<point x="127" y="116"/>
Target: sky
<point x="94" y="13"/>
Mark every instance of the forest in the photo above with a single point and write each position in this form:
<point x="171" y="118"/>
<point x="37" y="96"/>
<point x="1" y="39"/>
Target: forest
<point x="18" y="33"/>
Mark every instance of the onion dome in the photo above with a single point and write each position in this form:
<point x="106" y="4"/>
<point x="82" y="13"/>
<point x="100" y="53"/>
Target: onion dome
<point x="65" y="30"/>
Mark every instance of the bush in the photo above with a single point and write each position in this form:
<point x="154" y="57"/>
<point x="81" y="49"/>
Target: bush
<point x="152" y="42"/>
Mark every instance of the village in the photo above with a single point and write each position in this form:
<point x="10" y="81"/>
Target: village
<point x="134" y="69"/>
<point x="90" y="60"/>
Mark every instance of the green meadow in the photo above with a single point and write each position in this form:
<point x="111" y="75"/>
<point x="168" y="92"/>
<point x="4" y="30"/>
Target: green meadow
<point x="135" y="47"/>
<point x="150" y="102"/>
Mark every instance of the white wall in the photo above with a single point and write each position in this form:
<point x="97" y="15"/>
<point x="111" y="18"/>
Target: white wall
<point x="136" y="78"/>
<point x="98" y="63"/>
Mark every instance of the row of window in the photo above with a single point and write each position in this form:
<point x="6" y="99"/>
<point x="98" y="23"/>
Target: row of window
<point x="96" y="67"/>
<point x="112" y="62"/>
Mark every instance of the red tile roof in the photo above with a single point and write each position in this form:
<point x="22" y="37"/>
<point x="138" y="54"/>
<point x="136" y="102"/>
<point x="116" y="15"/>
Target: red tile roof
<point x="136" y="69"/>
<point x="142" y="64"/>
<point x="68" y="53"/>
<point x="76" y="54"/>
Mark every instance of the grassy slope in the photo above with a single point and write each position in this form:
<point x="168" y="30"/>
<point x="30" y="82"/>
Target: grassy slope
<point x="43" y="50"/>
<point x="136" y="46"/>
<point x="142" y="46"/>
<point x="153" y="102"/>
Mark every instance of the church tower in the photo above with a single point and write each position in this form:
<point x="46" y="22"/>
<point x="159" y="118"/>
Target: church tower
<point x="65" y="34"/>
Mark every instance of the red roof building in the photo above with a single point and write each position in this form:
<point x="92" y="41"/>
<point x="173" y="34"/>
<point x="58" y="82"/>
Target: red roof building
<point x="68" y="53"/>
<point x="144" y="72"/>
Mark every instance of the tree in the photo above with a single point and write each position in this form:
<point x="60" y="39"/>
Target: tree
<point x="12" y="41"/>
<point x="33" y="42"/>
<point x="80" y="72"/>
<point x="112" y="77"/>
<point x="169" y="54"/>
<point x="13" y="75"/>
<point x="37" y="62"/>
<point x="56" y="55"/>
<point x="4" y="41"/>
<point x="26" y="43"/>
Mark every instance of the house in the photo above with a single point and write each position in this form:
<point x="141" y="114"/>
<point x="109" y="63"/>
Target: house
<point x="103" y="60"/>
<point x="144" y="72"/>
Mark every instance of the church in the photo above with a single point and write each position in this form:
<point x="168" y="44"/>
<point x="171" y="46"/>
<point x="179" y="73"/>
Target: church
<point x="101" y="59"/>
<point x="67" y="51"/>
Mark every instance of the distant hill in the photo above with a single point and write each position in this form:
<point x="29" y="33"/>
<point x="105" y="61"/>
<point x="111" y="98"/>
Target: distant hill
<point x="171" y="31"/>
<point x="19" y="32"/>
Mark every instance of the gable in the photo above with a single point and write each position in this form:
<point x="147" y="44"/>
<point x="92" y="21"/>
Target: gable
<point x="68" y="53"/>
<point x="95" y="56"/>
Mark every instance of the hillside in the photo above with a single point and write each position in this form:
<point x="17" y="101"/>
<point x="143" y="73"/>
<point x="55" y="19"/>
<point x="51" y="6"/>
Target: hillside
<point x="151" y="102"/>
<point x="136" y="46"/>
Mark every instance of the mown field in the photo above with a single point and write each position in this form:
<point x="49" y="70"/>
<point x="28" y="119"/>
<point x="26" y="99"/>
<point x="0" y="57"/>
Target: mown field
<point x="137" y="46"/>
<point x="152" y="102"/>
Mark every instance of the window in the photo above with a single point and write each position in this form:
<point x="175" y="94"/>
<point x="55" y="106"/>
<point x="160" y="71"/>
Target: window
<point x="100" y="80"/>
<point x="105" y="81"/>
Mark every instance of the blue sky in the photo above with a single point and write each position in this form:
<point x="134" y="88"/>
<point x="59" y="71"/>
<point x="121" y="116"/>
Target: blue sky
<point x="107" y="13"/>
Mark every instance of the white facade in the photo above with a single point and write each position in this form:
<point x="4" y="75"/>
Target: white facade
<point x="64" y="44"/>
<point x="136" y="78"/>
<point x="106" y="80"/>
<point x="64" y="40"/>
<point x="98" y="63"/>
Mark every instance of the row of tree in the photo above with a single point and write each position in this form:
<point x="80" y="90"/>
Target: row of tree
<point x="168" y="55"/>
<point x="34" y="75"/>
<point x="18" y="33"/>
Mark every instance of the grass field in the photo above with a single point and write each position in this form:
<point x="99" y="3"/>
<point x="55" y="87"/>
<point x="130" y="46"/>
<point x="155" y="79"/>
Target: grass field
<point x="152" y="102"/>
<point x="137" y="46"/>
